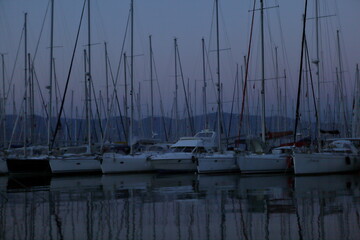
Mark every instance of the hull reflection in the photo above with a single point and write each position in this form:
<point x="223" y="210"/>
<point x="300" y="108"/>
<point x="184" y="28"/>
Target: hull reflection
<point x="181" y="206"/>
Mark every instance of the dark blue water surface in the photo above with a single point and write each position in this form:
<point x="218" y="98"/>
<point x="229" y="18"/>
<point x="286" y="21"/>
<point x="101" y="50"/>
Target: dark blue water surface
<point x="180" y="206"/>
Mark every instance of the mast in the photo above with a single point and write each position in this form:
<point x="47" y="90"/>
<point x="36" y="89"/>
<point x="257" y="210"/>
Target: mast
<point x="356" y="116"/>
<point x="151" y="90"/>
<point x="316" y="62"/>
<point x="76" y="125"/>
<point x="138" y="102"/>
<point x="176" y="93"/>
<point x="303" y="39"/>
<point x="72" y="118"/>
<point x="51" y="75"/>
<point x="86" y="90"/>
<point x="285" y="102"/>
<point x="341" y="89"/>
<point x="307" y="90"/>
<point x="218" y="76"/>
<point x="107" y="82"/>
<point x="263" y="126"/>
<point x="89" y="79"/>
<point x="4" y="100"/>
<point x="132" y="77"/>
<point x="107" y="110"/>
<point x="14" y="103"/>
<point x="246" y="97"/>
<point x="125" y="100"/>
<point x="204" y="86"/>
<point x="31" y="99"/>
<point x="26" y="85"/>
<point x="278" y="92"/>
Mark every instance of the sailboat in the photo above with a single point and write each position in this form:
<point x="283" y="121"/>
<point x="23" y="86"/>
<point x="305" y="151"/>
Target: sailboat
<point x="78" y="159"/>
<point x="339" y="155"/>
<point x="139" y="159"/>
<point x="221" y="160"/>
<point x="75" y="159"/>
<point x="27" y="158"/>
<point x="279" y="160"/>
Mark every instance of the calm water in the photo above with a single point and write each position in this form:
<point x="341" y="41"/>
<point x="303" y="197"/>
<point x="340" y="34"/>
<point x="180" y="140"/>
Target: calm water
<point x="153" y="206"/>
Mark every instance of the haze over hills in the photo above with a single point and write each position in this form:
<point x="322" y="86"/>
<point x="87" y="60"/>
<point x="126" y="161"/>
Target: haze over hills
<point x="73" y="131"/>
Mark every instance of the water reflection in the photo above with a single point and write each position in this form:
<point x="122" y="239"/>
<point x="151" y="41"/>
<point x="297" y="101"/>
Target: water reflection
<point x="180" y="206"/>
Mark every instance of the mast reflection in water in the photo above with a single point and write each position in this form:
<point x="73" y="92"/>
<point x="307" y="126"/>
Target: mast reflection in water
<point x="190" y="206"/>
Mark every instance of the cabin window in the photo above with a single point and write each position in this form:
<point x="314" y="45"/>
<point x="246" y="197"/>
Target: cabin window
<point x="188" y="149"/>
<point x="177" y="149"/>
<point x="200" y="150"/>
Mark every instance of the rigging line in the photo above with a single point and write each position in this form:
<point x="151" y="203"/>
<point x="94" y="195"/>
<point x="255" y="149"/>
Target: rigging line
<point x="97" y="110"/>
<point x="57" y="88"/>
<point x="94" y="132"/>
<point x="215" y="92"/>
<point x="118" y="104"/>
<point x="36" y="49"/>
<point x="283" y="46"/>
<point x="297" y="118"/>
<point x="342" y="87"/>
<point x="271" y="39"/>
<point x="16" y="58"/>
<point x="209" y="68"/>
<point x="233" y="100"/>
<point x="101" y="21"/>
<point x="230" y="55"/>
<point x="344" y="113"/>
<point x="114" y="100"/>
<point x="186" y="97"/>
<point x="122" y="48"/>
<point x="172" y="116"/>
<point x="68" y="77"/>
<point x="21" y="110"/>
<point x="327" y="43"/>
<point x="311" y="78"/>
<point x="97" y="107"/>
<point x="80" y="125"/>
<point x="344" y="52"/>
<point x="41" y="95"/>
<point x="247" y="69"/>
<point x="222" y="125"/>
<point x="212" y="26"/>
<point x="102" y="106"/>
<point x="195" y="66"/>
<point x="115" y="81"/>
<point x="17" y="54"/>
<point x="41" y="31"/>
<point x="161" y="102"/>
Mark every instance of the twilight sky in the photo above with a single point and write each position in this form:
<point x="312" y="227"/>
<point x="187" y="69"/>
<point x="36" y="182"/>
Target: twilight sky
<point x="189" y="21"/>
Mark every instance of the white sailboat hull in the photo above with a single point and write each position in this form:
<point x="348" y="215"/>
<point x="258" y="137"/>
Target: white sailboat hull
<point x="306" y="163"/>
<point x="118" y="163"/>
<point x="217" y="162"/>
<point x="76" y="163"/>
<point x="264" y="163"/>
<point x="175" y="162"/>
